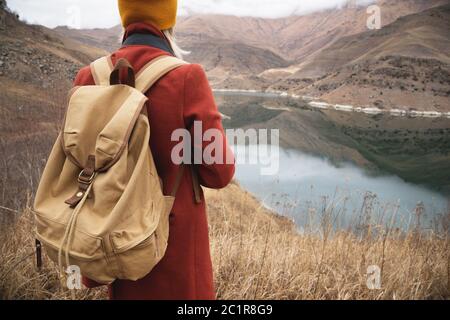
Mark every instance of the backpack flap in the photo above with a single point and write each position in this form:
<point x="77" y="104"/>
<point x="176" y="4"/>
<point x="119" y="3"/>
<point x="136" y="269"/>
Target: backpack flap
<point x="91" y="129"/>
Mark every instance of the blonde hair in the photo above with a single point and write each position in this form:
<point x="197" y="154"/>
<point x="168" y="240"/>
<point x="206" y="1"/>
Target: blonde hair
<point x="170" y="35"/>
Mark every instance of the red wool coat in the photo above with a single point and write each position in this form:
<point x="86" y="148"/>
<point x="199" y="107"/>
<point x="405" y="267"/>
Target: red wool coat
<point x="175" y="101"/>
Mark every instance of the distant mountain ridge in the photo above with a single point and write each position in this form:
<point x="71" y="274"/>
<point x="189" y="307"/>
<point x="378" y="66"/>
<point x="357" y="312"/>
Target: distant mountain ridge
<point x="37" y="67"/>
<point x="278" y="42"/>
<point x="107" y="39"/>
<point x="329" y="55"/>
<point x="404" y="65"/>
<point x="295" y="37"/>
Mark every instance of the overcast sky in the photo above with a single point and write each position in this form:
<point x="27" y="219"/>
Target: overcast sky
<point x="104" y="13"/>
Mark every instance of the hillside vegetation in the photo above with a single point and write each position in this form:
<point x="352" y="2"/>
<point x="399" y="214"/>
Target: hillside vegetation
<point x="37" y="67"/>
<point x="256" y="254"/>
<point x="259" y="255"/>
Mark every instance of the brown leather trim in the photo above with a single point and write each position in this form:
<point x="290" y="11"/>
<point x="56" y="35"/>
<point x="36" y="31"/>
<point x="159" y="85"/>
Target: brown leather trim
<point x="178" y="179"/>
<point x="38" y="247"/>
<point x="114" y="77"/>
<point x="195" y="185"/>
<point x="75" y="199"/>
<point x="85" y="179"/>
<point x="87" y="173"/>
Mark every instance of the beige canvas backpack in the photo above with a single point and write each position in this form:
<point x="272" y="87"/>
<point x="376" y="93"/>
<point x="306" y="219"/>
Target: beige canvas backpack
<point x="99" y="204"/>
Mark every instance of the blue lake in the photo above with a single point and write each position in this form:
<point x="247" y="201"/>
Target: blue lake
<point x="346" y="166"/>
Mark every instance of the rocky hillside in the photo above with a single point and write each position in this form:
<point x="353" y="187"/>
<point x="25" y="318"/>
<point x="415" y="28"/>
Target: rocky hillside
<point x="295" y="37"/>
<point x="328" y="54"/>
<point x="37" y="67"/>
<point x="35" y="54"/>
<point x="34" y="59"/>
<point x="231" y="64"/>
<point x="404" y="65"/>
<point x="108" y="39"/>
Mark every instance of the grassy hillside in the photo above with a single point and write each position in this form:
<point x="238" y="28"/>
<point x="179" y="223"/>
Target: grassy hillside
<point x="256" y="253"/>
<point x="260" y="255"/>
<point x="37" y="67"/>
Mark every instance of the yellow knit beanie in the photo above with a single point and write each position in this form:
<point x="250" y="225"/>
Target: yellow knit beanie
<point x="161" y="13"/>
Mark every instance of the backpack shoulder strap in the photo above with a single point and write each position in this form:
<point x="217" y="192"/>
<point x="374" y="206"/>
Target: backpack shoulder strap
<point x="101" y="70"/>
<point x="145" y="78"/>
<point x="154" y="70"/>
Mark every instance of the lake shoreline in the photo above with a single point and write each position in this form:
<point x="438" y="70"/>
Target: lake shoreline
<point x="317" y="104"/>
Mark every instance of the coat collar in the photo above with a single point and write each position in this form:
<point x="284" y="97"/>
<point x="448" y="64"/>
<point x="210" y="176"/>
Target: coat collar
<point x="142" y="27"/>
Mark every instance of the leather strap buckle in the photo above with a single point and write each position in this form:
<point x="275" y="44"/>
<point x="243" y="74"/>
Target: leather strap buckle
<point x="82" y="177"/>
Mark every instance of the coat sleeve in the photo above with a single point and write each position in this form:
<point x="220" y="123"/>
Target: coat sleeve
<point x="83" y="77"/>
<point x="201" y="116"/>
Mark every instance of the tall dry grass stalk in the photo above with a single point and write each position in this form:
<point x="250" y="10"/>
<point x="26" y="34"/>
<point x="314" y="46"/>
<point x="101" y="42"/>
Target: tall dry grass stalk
<point x="19" y="278"/>
<point x="259" y="255"/>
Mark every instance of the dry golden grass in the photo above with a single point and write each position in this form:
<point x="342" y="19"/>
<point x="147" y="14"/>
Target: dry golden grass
<point x="19" y="278"/>
<point x="259" y="255"/>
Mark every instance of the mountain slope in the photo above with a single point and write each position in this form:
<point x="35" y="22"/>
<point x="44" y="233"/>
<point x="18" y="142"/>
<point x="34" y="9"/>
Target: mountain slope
<point x="405" y="64"/>
<point x="37" y="67"/>
<point x="295" y="37"/>
<point x="235" y="50"/>
<point x="306" y="35"/>
<point x="229" y="63"/>
<point x="107" y="39"/>
<point x="33" y="59"/>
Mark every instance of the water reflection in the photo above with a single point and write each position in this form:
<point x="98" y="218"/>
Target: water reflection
<point x="347" y="161"/>
<point x="306" y="183"/>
